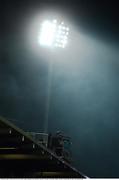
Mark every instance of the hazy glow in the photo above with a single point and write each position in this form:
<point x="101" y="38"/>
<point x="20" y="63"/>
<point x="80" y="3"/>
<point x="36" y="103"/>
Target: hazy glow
<point x="53" y="34"/>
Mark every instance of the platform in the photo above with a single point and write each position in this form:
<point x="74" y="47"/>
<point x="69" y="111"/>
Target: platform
<point x="22" y="157"/>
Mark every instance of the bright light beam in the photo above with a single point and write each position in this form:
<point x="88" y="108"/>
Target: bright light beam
<point x="53" y="34"/>
<point x="47" y="34"/>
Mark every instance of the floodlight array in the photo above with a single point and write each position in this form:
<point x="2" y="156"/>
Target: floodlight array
<point x="47" y="33"/>
<point x="54" y="34"/>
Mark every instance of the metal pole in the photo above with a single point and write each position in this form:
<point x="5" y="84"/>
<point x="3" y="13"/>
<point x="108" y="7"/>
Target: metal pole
<point x="48" y="96"/>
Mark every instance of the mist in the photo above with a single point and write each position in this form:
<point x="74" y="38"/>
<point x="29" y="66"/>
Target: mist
<point x="84" y="88"/>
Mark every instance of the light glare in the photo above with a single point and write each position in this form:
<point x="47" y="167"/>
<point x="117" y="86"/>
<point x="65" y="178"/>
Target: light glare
<point x="53" y="34"/>
<point x="47" y="33"/>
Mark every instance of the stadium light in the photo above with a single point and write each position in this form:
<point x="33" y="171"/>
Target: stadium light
<point x="53" y="34"/>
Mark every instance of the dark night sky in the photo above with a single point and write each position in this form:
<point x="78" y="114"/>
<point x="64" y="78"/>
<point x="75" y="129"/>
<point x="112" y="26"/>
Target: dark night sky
<point x="85" y="92"/>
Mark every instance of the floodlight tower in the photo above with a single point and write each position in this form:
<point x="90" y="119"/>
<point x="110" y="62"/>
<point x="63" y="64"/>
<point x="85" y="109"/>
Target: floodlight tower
<point x="53" y="34"/>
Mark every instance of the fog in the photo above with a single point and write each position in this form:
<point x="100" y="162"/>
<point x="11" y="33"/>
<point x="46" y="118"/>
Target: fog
<point x="83" y="91"/>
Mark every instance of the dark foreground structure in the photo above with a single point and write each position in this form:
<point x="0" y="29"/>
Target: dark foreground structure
<point x="21" y="156"/>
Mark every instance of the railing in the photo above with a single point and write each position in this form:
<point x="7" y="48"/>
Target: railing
<point x="41" y="138"/>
